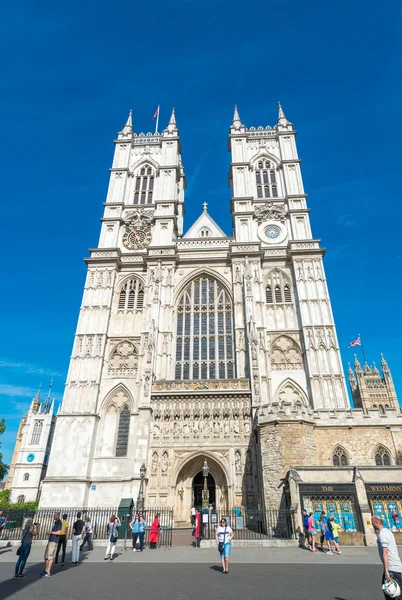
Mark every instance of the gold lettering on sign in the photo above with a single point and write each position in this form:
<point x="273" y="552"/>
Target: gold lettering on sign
<point x="327" y="488"/>
<point x="385" y="488"/>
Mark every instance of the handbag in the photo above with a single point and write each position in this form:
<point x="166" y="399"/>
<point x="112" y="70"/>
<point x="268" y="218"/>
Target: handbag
<point x="113" y="538"/>
<point x="221" y="545"/>
<point x="23" y="540"/>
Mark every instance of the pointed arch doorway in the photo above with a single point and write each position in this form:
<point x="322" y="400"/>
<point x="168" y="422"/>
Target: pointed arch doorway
<point x="189" y="484"/>
<point x="198" y="486"/>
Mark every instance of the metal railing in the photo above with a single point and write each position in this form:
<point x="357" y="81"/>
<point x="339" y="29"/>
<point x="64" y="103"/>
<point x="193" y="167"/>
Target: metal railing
<point x="247" y="523"/>
<point x="252" y="523"/>
<point x="16" y="519"/>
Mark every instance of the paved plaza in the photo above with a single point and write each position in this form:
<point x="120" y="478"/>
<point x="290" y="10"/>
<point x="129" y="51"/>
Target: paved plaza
<point x="186" y="573"/>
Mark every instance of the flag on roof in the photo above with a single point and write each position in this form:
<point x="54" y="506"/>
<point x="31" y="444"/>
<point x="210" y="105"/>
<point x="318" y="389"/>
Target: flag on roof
<point x="356" y="342"/>
<point x="156" y="113"/>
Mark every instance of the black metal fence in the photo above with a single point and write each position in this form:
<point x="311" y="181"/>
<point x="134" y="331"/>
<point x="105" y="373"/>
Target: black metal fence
<point x="247" y="523"/>
<point x="99" y="517"/>
<point x="252" y="523"/>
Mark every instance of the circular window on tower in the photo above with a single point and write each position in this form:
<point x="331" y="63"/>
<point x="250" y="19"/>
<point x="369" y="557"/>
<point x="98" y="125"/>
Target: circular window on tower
<point x="272" y="232"/>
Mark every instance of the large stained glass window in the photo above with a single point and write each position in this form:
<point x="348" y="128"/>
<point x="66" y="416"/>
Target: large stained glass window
<point x="204" y="346"/>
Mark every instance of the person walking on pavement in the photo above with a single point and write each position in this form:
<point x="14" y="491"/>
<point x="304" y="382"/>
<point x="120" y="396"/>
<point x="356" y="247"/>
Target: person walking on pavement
<point x="112" y="536"/>
<point x="138" y="531"/>
<point x="311" y="531"/>
<point x="30" y="530"/>
<point x="87" y="535"/>
<point x="224" y="536"/>
<point x="62" y="543"/>
<point x="305" y="527"/>
<point x="336" y="528"/>
<point x="329" y="536"/>
<point x="154" y="533"/>
<point x="388" y="552"/>
<point x="197" y="528"/>
<point x="322" y="522"/>
<point x="51" y="545"/>
<point x="193" y="512"/>
<point x="78" y="528"/>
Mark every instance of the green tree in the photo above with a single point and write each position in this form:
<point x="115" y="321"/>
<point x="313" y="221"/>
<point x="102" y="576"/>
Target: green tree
<point x="3" y="467"/>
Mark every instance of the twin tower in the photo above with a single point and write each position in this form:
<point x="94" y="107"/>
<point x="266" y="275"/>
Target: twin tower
<point x="192" y="346"/>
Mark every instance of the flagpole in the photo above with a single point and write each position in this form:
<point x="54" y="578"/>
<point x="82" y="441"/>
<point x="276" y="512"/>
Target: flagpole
<point x="157" y="121"/>
<point x="361" y="346"/>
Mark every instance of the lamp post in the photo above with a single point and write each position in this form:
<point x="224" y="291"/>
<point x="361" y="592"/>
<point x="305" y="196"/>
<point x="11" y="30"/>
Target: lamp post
<point x="140" y="499"/>
<point x="205" y="493"/>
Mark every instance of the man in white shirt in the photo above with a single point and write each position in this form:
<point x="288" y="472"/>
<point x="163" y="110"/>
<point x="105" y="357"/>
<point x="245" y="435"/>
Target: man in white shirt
<point x="193" y="515"/>
<point x="388" y="552"/>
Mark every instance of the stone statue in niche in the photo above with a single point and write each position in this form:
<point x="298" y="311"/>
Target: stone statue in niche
<point x="246" y="424"/>
<point x="176" y="426"/>
<point x="157" y="427"/>
<point x="154" y="466"/>
<point x="206" y="425"/>
<point x="167" y="425"/>
<point x="217" y="426"/>
<point x="186" y="426"/>
<point x="165" y="462"/>
<point x="196" y="425"/>
<point x="236" y="425"/>
<point x="226" y="428"/>
<point x="238" y="461"/>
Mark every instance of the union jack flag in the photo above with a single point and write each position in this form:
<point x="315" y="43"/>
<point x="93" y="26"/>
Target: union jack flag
<point x="356" y="342"/>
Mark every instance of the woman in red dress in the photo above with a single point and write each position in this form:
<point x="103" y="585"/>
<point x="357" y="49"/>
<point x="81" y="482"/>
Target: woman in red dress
<point x="197" y="528"/>
<point x="154" y="532"/>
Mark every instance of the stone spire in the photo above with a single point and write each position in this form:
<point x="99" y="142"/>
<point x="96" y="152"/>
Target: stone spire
<point x="36" y="400"/>
<point x="172" y="125"/>
<point x="47" y="403"/>
<point x="384" y="365"/>
<point x="236" y="123"/>
<point x="127" y="131"/>
<point x="283" y="123"/>
<point x="357" y="364"/>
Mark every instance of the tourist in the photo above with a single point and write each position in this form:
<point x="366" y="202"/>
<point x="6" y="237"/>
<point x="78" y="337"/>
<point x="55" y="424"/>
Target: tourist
<point x="30" y="530"/>
<point x="305" y="527"/>
<point x="388" y="552"/>
<point x="112" y="536"/>
<point x="52" y="544"/>
<point x="224" y="536"/>
<point x="322" y="522"/>
<point x="329" y="536"/>
<point x="77" y="536"/>
<point x="197" y="528"/>
<point x="2" y="523"/>
<point x="311" y="531"/>
<point x="336" y="528"/>
<point x="138" y="531"/>
<point x="62" y="542"/>
<point x="154" y="533"/>
<point x="193" y="511"/>
<point x="87" y="535"/>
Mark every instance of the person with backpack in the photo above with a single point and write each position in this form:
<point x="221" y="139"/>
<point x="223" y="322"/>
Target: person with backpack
<point x="322" y="522"/>
<point x="329" y="536"/>
<point x="305" y="527"/>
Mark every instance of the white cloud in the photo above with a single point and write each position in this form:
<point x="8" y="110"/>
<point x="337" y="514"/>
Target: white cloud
<point x="16" y="391"/>
<point x="28" y="368"/>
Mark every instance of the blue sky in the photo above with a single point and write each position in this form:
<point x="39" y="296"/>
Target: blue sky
<point x="71" y="73"/>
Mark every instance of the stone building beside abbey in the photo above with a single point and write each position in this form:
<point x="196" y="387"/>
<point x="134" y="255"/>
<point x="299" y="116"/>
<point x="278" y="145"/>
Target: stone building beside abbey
<point x="202" y="344"/>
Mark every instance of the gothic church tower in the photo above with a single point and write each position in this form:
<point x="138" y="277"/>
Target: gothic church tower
<point x="182" y="338"/>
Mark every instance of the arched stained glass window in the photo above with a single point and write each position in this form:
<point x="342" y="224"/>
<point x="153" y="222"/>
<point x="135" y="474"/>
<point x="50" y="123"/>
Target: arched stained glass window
<point x="382" y="456"/>
<point x="339" y="457"/>
<point x="265" y="174"/>
<point x="123" y="431"/>
<point x="204" y="346"/>
<point x="131" y="296"/>
<point x="144" y="186"/>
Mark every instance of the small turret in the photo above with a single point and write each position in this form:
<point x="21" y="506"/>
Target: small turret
<point x="283" y="123"/>
<point x="127" y="131"/>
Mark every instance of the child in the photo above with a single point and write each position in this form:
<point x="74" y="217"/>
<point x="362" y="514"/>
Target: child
<point x="336" y="528"/>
